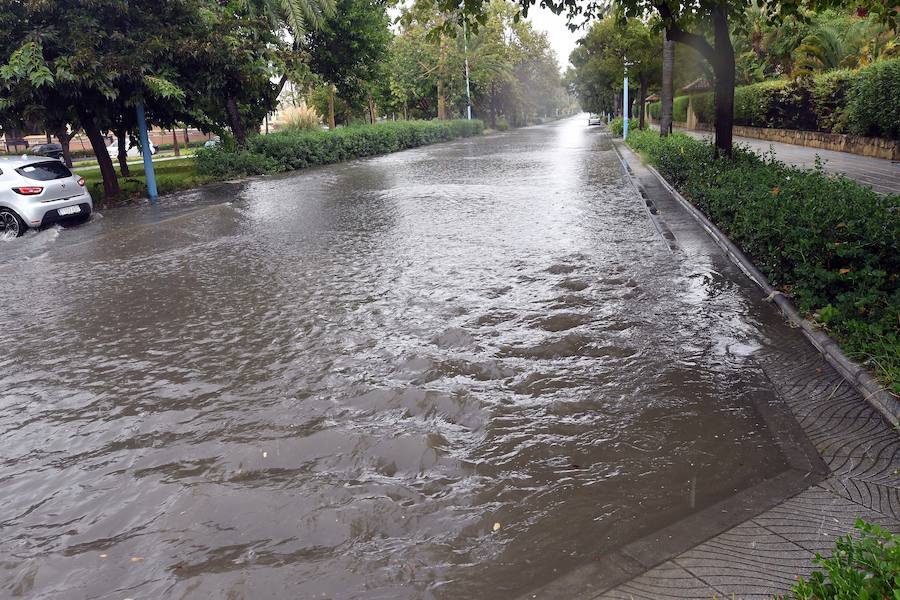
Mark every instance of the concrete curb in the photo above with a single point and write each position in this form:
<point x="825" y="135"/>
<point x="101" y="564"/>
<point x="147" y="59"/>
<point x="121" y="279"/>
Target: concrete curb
<point x="868" y="387"/>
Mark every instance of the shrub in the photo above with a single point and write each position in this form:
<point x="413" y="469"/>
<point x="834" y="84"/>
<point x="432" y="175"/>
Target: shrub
<point x="830" y="94"/>
<point x="617" y="126"/>
<point x="296" y="149"/>
<point x="861" y="102"/>
<point x="874" y="109"/>
<point x="781" y="103"/>
<point x="679" y="108"/>
<point x="865" y="568"/>
<point x="704" y="106"/>
<point x="301" y="118"/>
<point x="502" y="124"/>
<point x="786" y="104"/>
<point x="831" y="243"/>
<point x="655" y="109"/>
<point x="220" y="163"/>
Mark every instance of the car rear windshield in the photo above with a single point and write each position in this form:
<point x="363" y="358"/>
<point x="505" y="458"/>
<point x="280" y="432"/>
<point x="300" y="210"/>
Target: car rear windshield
<point x="45" y="171"/>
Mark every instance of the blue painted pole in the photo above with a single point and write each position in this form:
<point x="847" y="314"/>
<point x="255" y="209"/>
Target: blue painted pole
<point x="625" y="110"/>
<point x="148" y="156"/>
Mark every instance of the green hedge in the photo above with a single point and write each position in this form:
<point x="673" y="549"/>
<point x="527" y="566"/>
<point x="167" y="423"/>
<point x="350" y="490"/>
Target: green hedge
<point x="830" y="242"/>
<point x="617" y="126"/>
<point x="704" y="106"/>
<point x="830" y="95"/>
<point x="862" y="102"/>
<point x="680" y="108"/>
<point x="287" y="151"/>
<point x="875" y="106"/>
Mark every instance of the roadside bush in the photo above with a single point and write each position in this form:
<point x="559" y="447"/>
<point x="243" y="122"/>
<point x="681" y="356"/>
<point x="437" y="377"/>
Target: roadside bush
<point x="302" y="118"/>
<point x="829" y="242"/>
<point x="679" y="108"/>
<point x="783" y="104"/>
<point x="655" y="109"/>
<point x="289" y="150"/>
<point x="862" y="102"/>
<point x="502" y="124"/>
<point x="830" y="95"/>
<point x="865" y="568"/>
<point x="874" y="108"/>
<point x="704" y="106"/>
<point x="220" y="163"/>
<point x="617" y="126"/>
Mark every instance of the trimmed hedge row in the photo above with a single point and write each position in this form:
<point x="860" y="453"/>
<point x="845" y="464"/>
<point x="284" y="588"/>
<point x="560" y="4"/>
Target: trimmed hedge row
<point x="287" y="151"/>
<point x="617" y="126"/>
<point x="679" y="109"/>
<point x="861" y="102"/>
<point x="831" y="243"/>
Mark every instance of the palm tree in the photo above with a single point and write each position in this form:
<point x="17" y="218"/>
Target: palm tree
<point x="821" y="50"/>
<point x="297" y="16"/>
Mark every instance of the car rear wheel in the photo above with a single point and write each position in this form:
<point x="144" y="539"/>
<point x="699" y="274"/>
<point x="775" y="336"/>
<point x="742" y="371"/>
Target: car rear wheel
<point x="11" y="226"/>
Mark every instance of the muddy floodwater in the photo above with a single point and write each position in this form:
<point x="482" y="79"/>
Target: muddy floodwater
<point x="454" y="372"/>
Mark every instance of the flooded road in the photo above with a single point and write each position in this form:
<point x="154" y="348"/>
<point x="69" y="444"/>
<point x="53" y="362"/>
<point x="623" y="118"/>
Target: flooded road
<point x="454" y="372"/>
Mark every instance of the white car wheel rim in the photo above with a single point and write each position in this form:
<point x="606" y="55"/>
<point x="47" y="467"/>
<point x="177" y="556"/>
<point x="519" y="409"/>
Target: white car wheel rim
<point x="9" y="226"/>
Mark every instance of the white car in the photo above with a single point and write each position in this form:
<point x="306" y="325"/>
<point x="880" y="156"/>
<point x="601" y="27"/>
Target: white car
<point x="132" y="152"/>
<point x="36" y="191"/>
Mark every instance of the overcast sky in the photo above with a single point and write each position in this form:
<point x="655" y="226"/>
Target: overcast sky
<point x="562" y="40"/>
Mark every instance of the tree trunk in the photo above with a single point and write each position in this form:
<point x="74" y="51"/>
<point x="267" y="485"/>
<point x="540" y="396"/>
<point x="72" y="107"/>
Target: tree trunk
<point x="49" y="140"/>
<point x="65" y="139"/>
<point x="373" y="111"/>
<point x="493" y="107"/>
<point x="234" y="119"/>
<point x="643" y="95"/>
<point x="724" y="70"/>
<point x="720" y="56"/>
<point x="331" y="91"/>
<point x="667" y="96"/>
<point x="175" y="142"/>
<point x="187" y="138"/>
<point x="111" y="187"/>
<point x="122" y="137"/>
<point x="441" y="99"/>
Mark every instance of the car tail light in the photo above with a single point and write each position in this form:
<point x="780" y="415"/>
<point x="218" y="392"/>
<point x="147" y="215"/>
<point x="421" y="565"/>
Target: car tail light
<point x="81" y="181"/>
<point x="31" y="190"/>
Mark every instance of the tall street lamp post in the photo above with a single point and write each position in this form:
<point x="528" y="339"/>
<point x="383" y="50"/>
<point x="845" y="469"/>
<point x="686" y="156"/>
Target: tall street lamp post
<point x="466" y="51"/>
<point x="145" y="148"/>
<point x="625" y="104"/>
<point x="148" y="157"/>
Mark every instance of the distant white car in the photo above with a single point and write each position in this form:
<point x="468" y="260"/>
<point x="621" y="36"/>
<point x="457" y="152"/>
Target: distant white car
<point x="595" y="119"/>
<point x="132" y="152"/>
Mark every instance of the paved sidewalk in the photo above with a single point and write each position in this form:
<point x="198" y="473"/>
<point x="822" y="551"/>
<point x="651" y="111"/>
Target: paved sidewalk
<point x="763" y="554"/>
<point x="883" y="175"/>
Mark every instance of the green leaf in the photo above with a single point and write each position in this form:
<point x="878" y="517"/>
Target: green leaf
<point x="163" y="88"/>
